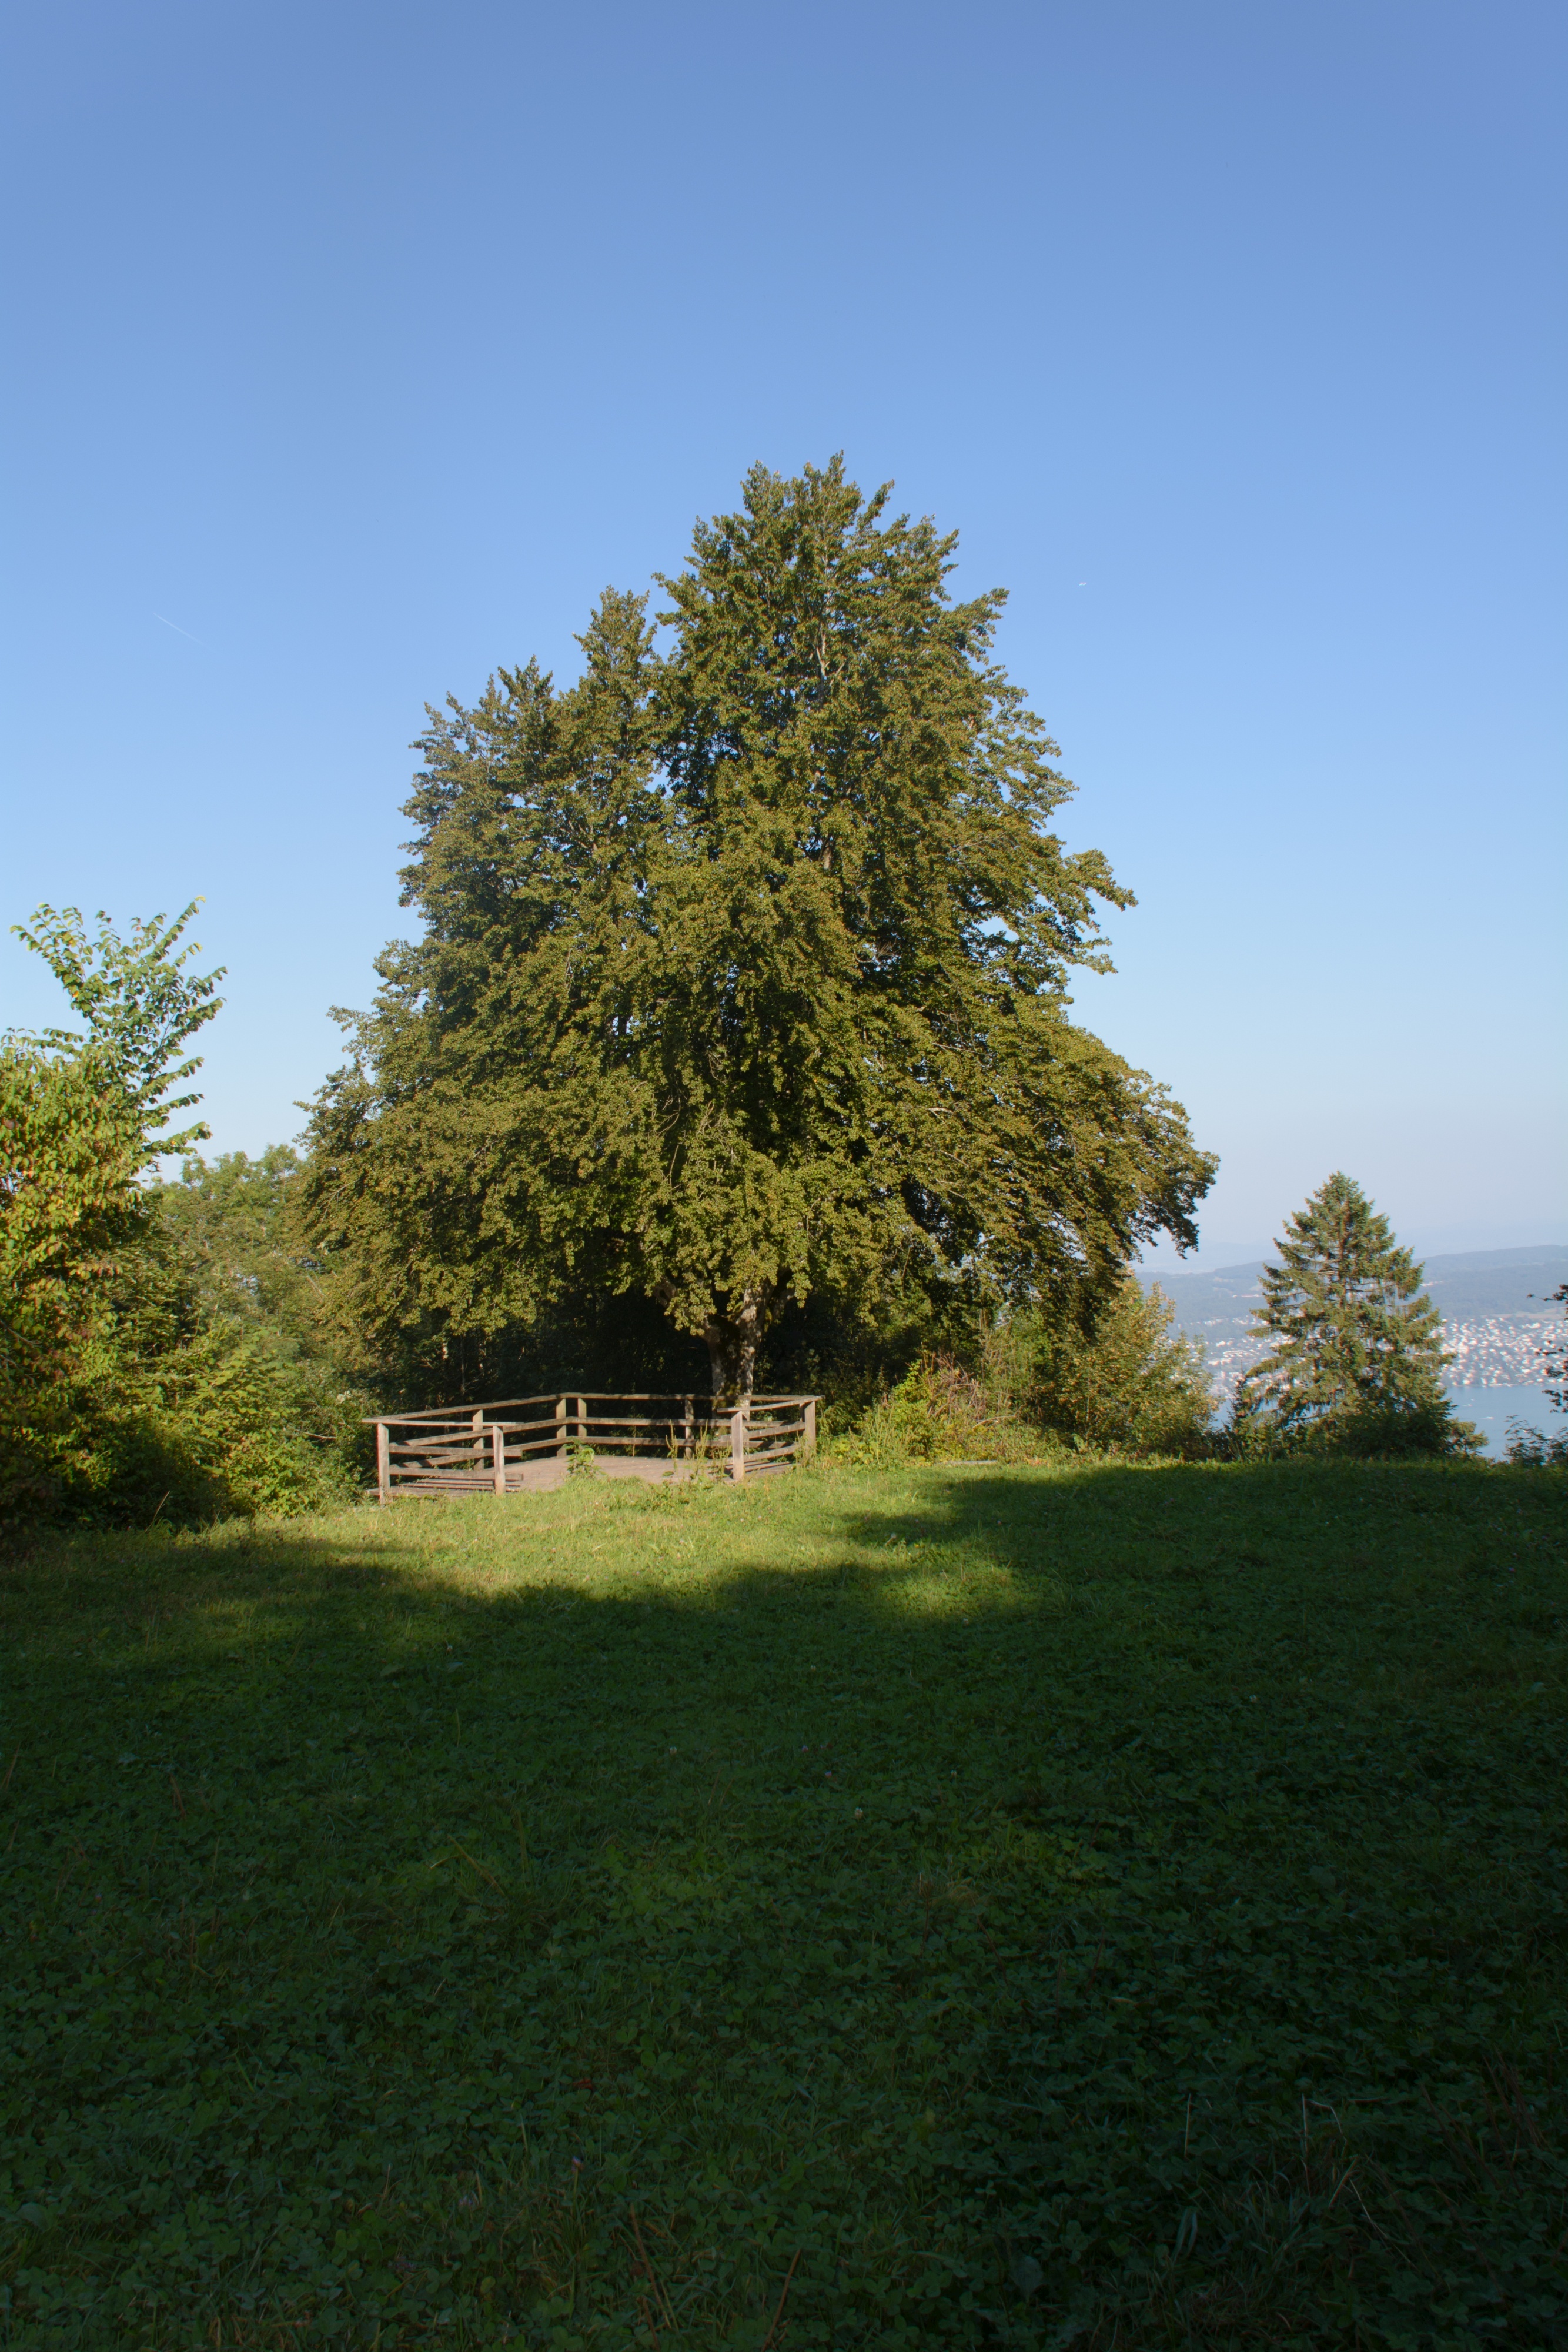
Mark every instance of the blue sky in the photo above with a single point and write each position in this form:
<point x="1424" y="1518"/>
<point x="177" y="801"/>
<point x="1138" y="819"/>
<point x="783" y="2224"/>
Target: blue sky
<point x="354" y="349"/>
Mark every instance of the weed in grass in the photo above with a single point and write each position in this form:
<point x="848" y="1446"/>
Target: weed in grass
<point x="1097" y="1904"/>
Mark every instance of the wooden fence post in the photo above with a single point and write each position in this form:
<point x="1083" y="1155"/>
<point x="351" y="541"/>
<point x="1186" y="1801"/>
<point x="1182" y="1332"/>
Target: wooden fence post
<point x="737" y="1441"/>
<point x="686" y="1428"/>
<point x="498" y="1455"/>
<point x="560" y="1428"/>
<point x="581" y="1403"/>
<point x="808" y="1434"/>
<point x="383" y="1463"/>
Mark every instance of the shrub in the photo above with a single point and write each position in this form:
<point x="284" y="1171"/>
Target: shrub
<point x="1531" y="1450"/>
<point x="937" y="1412"/>
<point x="1122" y="1377"/>
<point x="137" y="1377"/>
<point x="1116" y="1379"/>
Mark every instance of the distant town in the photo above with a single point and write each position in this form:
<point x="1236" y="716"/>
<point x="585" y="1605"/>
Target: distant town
<point x="1494" y="1352"/>
<point x="1498" y="1319"/>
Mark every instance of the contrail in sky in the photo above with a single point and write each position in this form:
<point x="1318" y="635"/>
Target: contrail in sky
<point x="179" y="632"/>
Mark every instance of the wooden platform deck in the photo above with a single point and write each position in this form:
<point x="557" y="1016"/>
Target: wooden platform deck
<point x="529" y="1445"/>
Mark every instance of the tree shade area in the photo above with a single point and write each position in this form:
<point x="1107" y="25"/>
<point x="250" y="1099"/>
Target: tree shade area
<point x="1115" y="1905"/>
<point x="743" y="977"/>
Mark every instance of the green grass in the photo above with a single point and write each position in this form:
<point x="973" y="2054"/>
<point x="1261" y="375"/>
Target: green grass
<point x="1118" y="1906"/>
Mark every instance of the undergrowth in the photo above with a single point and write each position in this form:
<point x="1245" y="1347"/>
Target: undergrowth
<point x="1097" y="1904"/>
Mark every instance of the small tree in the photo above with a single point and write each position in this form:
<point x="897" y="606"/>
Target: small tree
<point x="1357" y="1356"/>
<point x="141" y="1009"/>
<point x="1129" y="1378"/>
<point x="1556" y="1367"/>
<point x="745" y="973"/>
<point x="1532" y="1446"/>
<point x="130" y="1383"/>
<point x="80" y="1112"/>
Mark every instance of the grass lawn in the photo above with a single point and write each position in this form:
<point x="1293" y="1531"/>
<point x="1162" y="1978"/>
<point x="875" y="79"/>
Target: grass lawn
<point x="1122" y="1904"/>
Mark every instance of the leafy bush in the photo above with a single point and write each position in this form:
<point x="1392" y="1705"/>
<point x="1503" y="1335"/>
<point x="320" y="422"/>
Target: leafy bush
<point x="142" y="1397"/>
<point x="212" y="1429"/>
<point x="1123" y="1378"/>
<point x="70" y="1146"/>
<point x="937" y="1412"/>
<point x="1118" y="1379"/>
<point x="140" y="1376"/>
<point x="1531" y="1449"/>
<point x="1528" y="1447"/>
<point x="234" y="1226"/>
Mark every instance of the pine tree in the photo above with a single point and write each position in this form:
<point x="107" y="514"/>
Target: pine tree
<point x="1357" y="1358"/>
<point x="743" y="972"/>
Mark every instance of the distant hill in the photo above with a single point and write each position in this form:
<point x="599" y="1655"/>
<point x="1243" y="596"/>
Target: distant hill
<point x="1496" y="1306"/>
<point x="1476" y="1282"/>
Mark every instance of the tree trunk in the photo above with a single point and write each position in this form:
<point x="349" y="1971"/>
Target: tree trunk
<point x="732" y="1344"/>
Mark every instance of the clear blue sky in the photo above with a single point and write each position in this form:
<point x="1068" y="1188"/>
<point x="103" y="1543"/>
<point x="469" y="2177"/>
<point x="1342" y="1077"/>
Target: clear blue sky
<point x="354" y="348"/>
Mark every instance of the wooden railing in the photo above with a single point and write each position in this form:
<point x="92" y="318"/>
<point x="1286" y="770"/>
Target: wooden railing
<point x="523" y="1442"/>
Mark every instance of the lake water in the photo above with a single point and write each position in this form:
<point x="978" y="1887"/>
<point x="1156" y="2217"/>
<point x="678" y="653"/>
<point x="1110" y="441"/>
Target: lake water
<point x="1490" y="1409"/>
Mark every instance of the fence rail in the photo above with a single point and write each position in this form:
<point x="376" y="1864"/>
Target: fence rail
<point x="532" y="1443"/>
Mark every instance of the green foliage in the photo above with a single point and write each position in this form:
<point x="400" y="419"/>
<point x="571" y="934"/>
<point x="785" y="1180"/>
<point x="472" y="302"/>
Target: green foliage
<point x="937" y="1412"/>
<point x="141" y="1006"/>
<point x="141" y="1373"/>
<point x="234" y="1226"/>
<point x="1118" y="1905"/>
<point x="1121" y="1377"/>
<point x="1109" y="1373"/>
<point x="1530" y="1447"/>
<point x="744" y="975"/>
<point x="232" y="1217"/>
<point x="1531" y="1450"/>
<point x="1357" y="1359"/>
<point x="70" y="1146"/>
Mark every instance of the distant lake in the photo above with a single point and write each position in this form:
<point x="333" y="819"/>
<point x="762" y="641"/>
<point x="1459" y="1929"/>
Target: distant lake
<point x="1490" y="1409"/>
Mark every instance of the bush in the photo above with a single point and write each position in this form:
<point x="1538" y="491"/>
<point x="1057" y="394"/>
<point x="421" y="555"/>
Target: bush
<point x="161" y="1407"/>
<point x="1122" y="1379"/>
<point x="1118" y="1379"/>
<point x="937" y="1412"/>
<point x="1421" y="1429"/>
<point x="153" y="1355"/>
<point x="1531" y="1450"/>
<point x="69" y="1149"/>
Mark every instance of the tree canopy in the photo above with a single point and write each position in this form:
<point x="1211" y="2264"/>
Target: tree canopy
<point x="1357" y="1359"/>
<point x="141" y="1008"/>
<point x="744" y="970"/>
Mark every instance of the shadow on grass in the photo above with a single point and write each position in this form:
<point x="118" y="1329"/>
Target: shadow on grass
<point x="588" y="1636"/>
<point x="1031" y="1903"/>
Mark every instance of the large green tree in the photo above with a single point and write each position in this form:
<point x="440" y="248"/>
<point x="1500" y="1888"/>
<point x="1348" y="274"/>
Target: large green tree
<point x="1356" y="1358"/>
<point x="744" y="972"/>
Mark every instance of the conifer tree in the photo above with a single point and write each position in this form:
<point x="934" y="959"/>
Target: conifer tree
<point x="1357" y="1356"/>
<point x="744" y="972"/>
